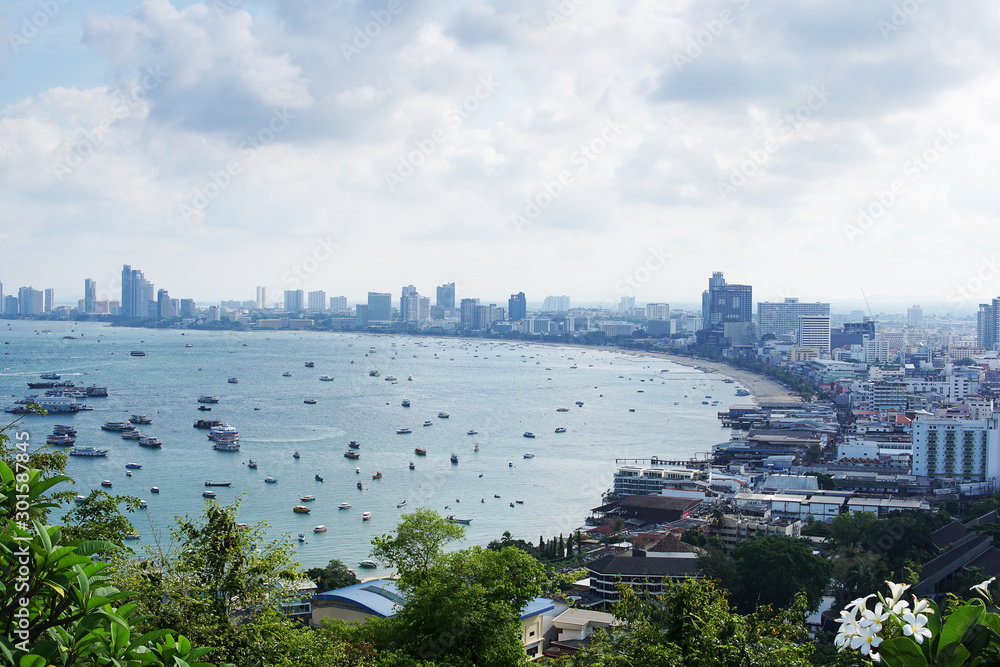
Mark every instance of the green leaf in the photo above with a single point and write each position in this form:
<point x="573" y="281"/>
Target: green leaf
<point x="901" y="652"/>
<point x="952" y="655"/>
<point x="958" y="625"/>
<point x="32" y="661"/>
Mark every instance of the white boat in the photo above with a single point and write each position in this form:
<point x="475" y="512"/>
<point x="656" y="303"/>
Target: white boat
<point x="401" y="431"/>
<point x="366" y="516"/>
<point x="319" y="529"/>
<point x="402" y="504"/>
<point x="140" y="419"/>
<point x="344" y="506"/>
<point x="208" y="399"/>
<point x="529" y="455"/>
<point x="390" y="378"/>
<point x="150" y="441"/>
<point x="286" y="374"/>
<point x="117" y="426"/>
<point x="229" y="447"/>
<point x="368" y="563"/>
<point x="307" y="499"/>
<point x="560" y="430"/>
<point x="443" y="415"/>
<point x="472" y="432"/>
<point x="87" y="451"/>
<point x="270" y="480"/>
<point x="428" y="423"/>
<point x="302" y="537"/>
<point x="325" y="378"/>
<point x="81" y="498"/>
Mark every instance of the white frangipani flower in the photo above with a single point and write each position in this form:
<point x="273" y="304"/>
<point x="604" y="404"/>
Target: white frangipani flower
<point x="983" y="586"/>
<point x="866" y="640"/>
<point x="914" y="626"/>
<point x="897" y="591"/>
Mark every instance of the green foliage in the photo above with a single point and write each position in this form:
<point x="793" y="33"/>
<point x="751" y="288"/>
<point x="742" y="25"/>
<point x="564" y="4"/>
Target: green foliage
<point x="692" y="625"/>
<point x="773" y="569"/>
<point x="900" y="537"/>
<point x="335" y="575"/>
<point x="418" y="543"/>
<point x="98" y="517"/>
<point x="855" y="572"/>
<point x="56" y="602"/>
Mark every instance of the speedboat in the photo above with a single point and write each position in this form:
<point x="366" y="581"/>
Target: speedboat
<point x="529" y="434"/>
<point x="81" y="498"/>
<point x="208" y="494"/>
<point x="286" y="374"/>
<point x="252" y="464"/>
<point x="354" y="444"/>
<point x="189" y="345"/>
<point x="360" y="487"/>
<point x="472" y="432"/>
<point x="307" y="499"/>
<point x="344" y="506"/>
<point x="443" y="415"/>
<point x="319" y="529"/>
<point x="402" y="504"/>
<point x="357" y="471"/>
<point x="106" y="483"/>
<point x="529" y="455"/>
<point x="560" y="430"/>
<point x="428" y="423"/>
<point x="401" y="431"/>
<point x="155" y="489"/>
<point x="366" y="516"/>
<point x="377" y="475"/>
<point x="301" y="509"/>
<point x="128" y="473"/>
<point x="143" y="505"/>
<point x="302" y="537"/>
<point x="318" y="478"/>
<point x="134" y="466"/>
<point x="368" y="564"/>
<point x="270" y="480"/>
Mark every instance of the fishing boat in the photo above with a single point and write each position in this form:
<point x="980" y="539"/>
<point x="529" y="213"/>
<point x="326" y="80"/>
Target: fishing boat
<point x="412" y="465"/>
<point x="252" y="464"/>
<point x="560" y="430"/>
<point x="370" y="564"/>
<point x="402" y="431"/>
<point x="318" y="478"/>
<point x="519" y="502"/>
<point x="344" y="506"/>
<point x="354" y="444"/>
<point x="377" y="475"/>
<point x="133" y="435"/>
<point x="301" y="509"/>
<point x="117" y="426"/>
<point x="366" y="516"/>
<point x="310" y="364"/>
<point x="204" y="408"/>
<point x="390" y="378"/>
<point x="325" y="378"/>
<point x="453" y="519"/>
<point x="270" y="480"/>
<point x="420" y="451"/>
<point x="454" y="458"/>
<point x="406" y="402"/>
<point x="307" y="499"/>
<point x="208" y="399"/>
<point x="218" y="483"/>
<point x="529" y="455"/>
<point x="319" y="529"/>
<point x="232" y="381"/>
<point x="150" y="441"/>
<point x="351" y="455"/>
<point x="373" y="374"/>
<point x="310" y="401"/>
<point x="286" y="374"/>
<point x="155" y="489"/>
<point x="208" y="494"/>
<point x="562" y="409"/>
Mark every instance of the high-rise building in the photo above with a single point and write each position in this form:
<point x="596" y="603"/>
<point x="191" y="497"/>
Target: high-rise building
<point x="717" y="280"/>
<point x="467" y="313"/>
<point x="163" y="309"/>
<point x="10" y="305"/>
<point x="137" y="294"/>
<point x="782" y="318"/>
<point x="962" y="448"/>
<point x="1" y="298"/>
<point x="657" y="311"/>
<point x="446" y="296"/>
<point x="814" y="331"/>
<point x="556" y="304"/>
<point x="361" y="314"/>
<point x="408" y="290"/>
<point x="317" y="301"/>
<point x="89" y="295"/>
<point x="294" y="299"/>
<point x="424" y="308"/>
<point x="338" y="303"/>
<point x="915" y="317"/>
<point x="517" y="306"/>
<point x="409" y="306"/>
<point x="379" y="307"/>
<point x="50" y="298"/>
<point x="626" y="304"/>
<point x="187" y="308"/>
<point x="728" y="308"/>
<point x="261" y="297"/>
<point x="29" y="301"/>
<point x="988" y="325"/>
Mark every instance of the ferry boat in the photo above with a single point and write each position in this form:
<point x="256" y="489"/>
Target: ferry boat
<point x="443" y="415"/>
<point x="97" y="392"/>
<point x="560" y="430"/>
<point x="528" y="434"/>
<point x="454" y="458"/>
<point x="453" y="519"/>
<point x="252" y="464"/>
<point x="87" y="451"/>
<point x="137" y="353"/>
<point x="223" y="433"/>
<point x="150" y="441"/>
<point x="117" y="426"/>
<point x="62" y="429"/>
<point x="377" y="475"/>
<point x="402" y="431"/>
<point x="310" y="364"/>
<point x="370" y="564"/>
<point x="208" y="399"/>
<point x="307" y="499"/>
<point x="325" y="378"/>
<point x="56" y="439"/>
<point x="232" y="381"/>
<point x="134" y="466"/>
<point x="351" y="455"/>
<point x="106" y="483"/>
<point x="270" y="480"/>
<point x="230" y="446"/>
<point x="366" y="516"/>
<point x="529" y="455"/>
<point x="140" y="419"/>
<point x="344" y="506"/>
<point x="406" y="402"/>
<point x="208" y="494"/>
<point x="310" y="401"/>
<point x="420" y="451"/>
<point x="472" y="432"/>
<point x="301" y="509"/>
<point x="319" y="529"/>
<point x="354" y="444"/>
<point x="134" y="434"/>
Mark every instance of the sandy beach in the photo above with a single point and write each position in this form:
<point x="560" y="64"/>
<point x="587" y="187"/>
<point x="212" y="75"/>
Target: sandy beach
<point x="761" y="389"/>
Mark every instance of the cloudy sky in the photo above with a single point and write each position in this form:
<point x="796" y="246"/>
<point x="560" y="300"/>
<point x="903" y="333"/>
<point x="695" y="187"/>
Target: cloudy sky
<point x="589" y="148"/>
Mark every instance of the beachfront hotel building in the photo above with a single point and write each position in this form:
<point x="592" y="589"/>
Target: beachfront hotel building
<point x="782" y="318"/>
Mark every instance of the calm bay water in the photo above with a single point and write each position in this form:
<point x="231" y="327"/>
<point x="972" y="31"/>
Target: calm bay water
<point x="500" y="389"/>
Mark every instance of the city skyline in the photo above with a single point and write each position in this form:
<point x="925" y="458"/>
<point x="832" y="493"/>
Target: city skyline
<point x="596" y="150"/>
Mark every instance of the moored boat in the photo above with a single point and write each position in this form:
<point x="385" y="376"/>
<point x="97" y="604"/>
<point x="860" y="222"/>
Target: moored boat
<point x="344" y="506"/>
<point x="472" y="432"/>
<point x="270" y="480"/>
<point x="529" y="434"/>
<point x="295" y="454"/>
<point x="150" y="441"/>
<point x="402" y="431"/>
<point x="208" y="494"/>
<point x="412" y="465"/>
<point x="302" y="537"/>
<point x="307" y="499"/>
<point x="366" y="516"/>
<point x="443" y="415"/>
<point x="406" y="402"/>
<point x="134" y="466"/>
<point x="318" y="478"/>
<point x="351" y="455"/>
<point x="453" y="519"/>
<point x="454" y="458"/>
<point x="420" y="451"/>
<point x="117" y="426"/>
<point x="529" y="455"/>
<point x="370" y="564"/>
<point x="208" y="399"/>
<point x="252" y="464"/>
<point x="62" y="429"/>
<point x="218" y="483"/>
<point x="232" y="381"/>
<point x="354" y="444"/>
<point x="56" y="439"/>
<point x="560" y="430"/>
<point x="134" y="434"/>
<point x="106" y="483"/>
<point x="230" y="446"/>
<point x="140" y="419"/>
<point x="155" y="489"/>
<point x="87" y="451"/>
<point x="310" y="401"/>
<point x="319" y="529"/>
<point x="301" y="509"/>
<point x="377" y="475"/>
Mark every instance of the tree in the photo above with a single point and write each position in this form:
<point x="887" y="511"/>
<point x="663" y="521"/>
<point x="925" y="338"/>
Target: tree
<point x="335" y="575"/>
<point x="98" y="517"/>
<point x="855" y="573"/>
<point x="418" y="543"/>
<point x="773" y="569"/>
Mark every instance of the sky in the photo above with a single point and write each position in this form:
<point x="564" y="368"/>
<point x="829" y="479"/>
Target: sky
<point x="597" y="149"/>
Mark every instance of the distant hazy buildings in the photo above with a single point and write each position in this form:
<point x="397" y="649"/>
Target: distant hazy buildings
<point x="379" y="308"/>
<point x="50" y="298"/>
<point x="915" y="317"/>
<point x="626" y="304"/>
<point x="29" y="301"/>
<point x="446" y="297"/>
<point x="338" y="303"/>
<point x="467" y="313"/>
<point x="517" y="306"/>
<point x="361" y="315"/>
<point x="294" y="300"/>
<point x="261" y="297"/>
<point x="187" y="308"/>
<point x="782" y="318"/>
<point x="164" y="307"/>
<point x="89" y="295"/>
<point x="413" y="307"/>
<point x="317" y="301"/>
<point x="814" y="332"/>
<point x="988" y="325"/>
<point x="556" y="304"/>
<point x="137" y="294"/>
<point x="657" y="311"/>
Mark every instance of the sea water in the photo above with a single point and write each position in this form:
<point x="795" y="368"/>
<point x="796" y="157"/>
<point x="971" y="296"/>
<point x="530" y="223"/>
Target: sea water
<point x="501" y="389"/>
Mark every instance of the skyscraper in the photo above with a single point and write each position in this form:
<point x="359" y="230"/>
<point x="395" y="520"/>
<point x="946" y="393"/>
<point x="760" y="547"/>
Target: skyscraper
<point x="379" y="307"/>
<point x="446" y="296"/>
<point x="50" y="297"/>
<point x="626" y="304"/>
<point x="261" y="297"/>
<point x="187" y="308"/>
<point x="410" y="307"/>
<point x="814" y="331"/>
<point x="915" y="317"/>
<point x="89" y="295"/>
<point x="137" y="293"/>
<point x="556" y="304"/>
<point x="780" y="319"/>
<point x="29" y="301"/>
<point x="317" y="301"/>
<point x="657" y="311"/>
<point x="517" y="306"/>
<point x="294" y="300"/>
<point x="988" y="325"/>
<point x="467" y="313"/>
<point x="163" y="309"/>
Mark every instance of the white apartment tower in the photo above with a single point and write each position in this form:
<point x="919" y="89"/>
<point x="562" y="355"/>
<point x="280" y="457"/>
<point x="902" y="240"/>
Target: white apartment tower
<point x="962" y="448"/>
